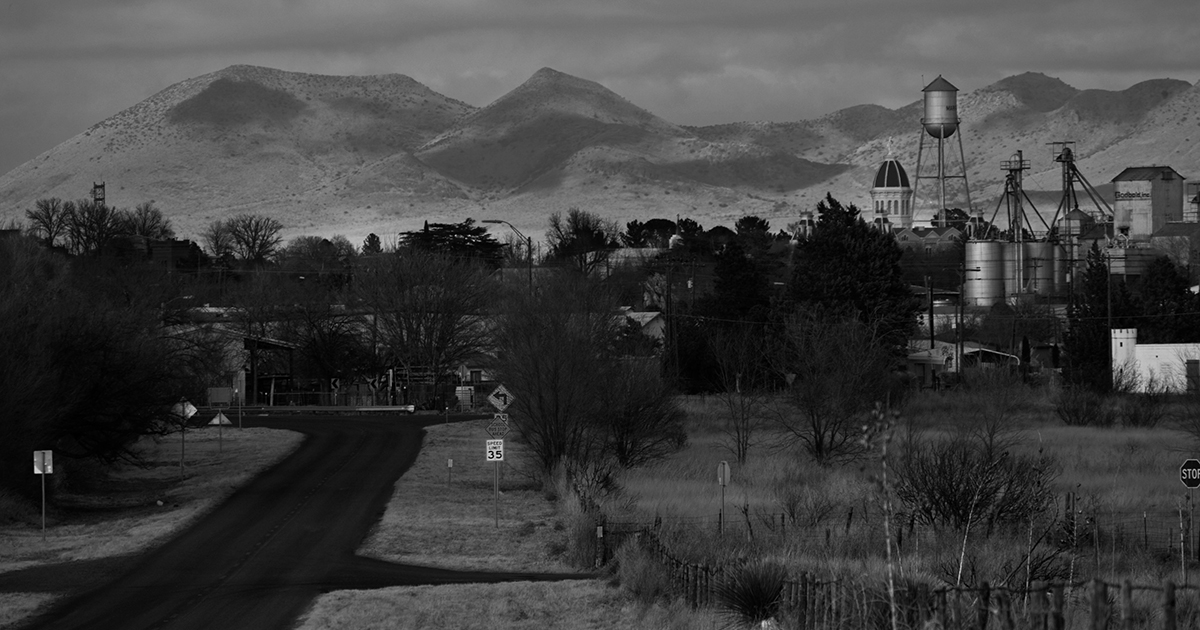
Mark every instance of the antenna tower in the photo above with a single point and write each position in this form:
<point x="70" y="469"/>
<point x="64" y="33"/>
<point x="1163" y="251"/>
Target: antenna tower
<point x="98" y="193"/>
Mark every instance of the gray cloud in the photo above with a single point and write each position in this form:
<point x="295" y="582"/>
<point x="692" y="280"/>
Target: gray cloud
<point x="70" y="63"/>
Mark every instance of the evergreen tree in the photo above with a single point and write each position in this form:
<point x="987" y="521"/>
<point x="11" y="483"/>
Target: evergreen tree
<point x="1167" y="305"/>
<point x="846" y="264"/>
<point x="372" y="245"/>
<point x="1098" y="303"/>
<point x="463" y="240"/>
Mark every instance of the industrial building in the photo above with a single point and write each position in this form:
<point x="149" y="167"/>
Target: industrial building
<point x="1031" y="260"/>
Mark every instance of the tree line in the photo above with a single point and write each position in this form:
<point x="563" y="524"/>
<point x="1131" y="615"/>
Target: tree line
<point x="808" y="331"/>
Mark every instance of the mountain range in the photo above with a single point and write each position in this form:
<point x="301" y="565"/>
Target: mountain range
<point x="352" y="155"/>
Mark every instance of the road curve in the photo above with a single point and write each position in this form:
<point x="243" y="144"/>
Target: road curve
<point x="260" y="558"/>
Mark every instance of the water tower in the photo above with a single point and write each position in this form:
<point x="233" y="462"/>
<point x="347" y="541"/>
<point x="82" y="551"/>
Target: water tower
<point x="937" y="125"/>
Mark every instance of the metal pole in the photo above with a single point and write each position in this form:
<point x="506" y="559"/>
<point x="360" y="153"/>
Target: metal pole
<point x="182" y="430"/>
<point x="496" y="491"/>
<point x="43" y="456"/>
<point x="529" y="246"/>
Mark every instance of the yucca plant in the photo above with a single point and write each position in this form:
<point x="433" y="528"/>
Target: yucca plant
<point x="752" y="594"/>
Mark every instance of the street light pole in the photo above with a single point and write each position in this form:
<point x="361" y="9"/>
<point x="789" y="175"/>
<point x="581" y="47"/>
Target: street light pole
<point x="528" y="245"/>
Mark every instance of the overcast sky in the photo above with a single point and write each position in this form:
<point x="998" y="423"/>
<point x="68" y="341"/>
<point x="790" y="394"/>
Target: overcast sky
<point x="67" y="64"/>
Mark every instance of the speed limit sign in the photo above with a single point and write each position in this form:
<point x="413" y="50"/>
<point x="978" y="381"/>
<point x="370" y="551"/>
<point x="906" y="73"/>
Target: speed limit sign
<point x="495" y="450"/>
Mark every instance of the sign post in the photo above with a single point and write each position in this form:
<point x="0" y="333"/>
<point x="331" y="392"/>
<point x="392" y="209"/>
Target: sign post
<point x="43" y="464"/>
<point x="723" y="479"/>
<point x="500" y="398"/>
<point x="495" y="453"/>
<point x="183" y="410"/>
<point x="1189" y="474"/>
<point x="220" y="420"/>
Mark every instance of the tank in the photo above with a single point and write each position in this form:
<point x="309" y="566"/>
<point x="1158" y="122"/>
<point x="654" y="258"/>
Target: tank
<point x="1062" y="268"/>
<point x="1014" y="269"/>
<point x="1039" y="267"/>
<point x="983" y="284"/>
<point x="941" y="108"/>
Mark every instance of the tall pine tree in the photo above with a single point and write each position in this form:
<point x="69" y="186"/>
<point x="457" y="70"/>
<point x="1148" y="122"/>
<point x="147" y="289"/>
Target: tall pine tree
<point x="1098" y="303"/>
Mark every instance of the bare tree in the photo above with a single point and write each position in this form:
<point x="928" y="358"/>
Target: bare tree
<point x="579" y="403"/>
<point x="256" y="238"/>
<point x="430" y="310"/>
<point x="639" y="413"/>
<point x="741" y="369"/>
<point x="583" y="240"/>
<point x="837" y="368"/>
<point x="92" y="225"/>
<point x="48" y="220"/>
<point x="329" y="337"/>
<point x="218" y="239"/>
<point x="550" y="348"/>
<point x="148" y="221"/>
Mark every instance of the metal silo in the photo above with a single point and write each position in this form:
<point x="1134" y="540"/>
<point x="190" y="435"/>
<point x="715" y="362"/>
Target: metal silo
<point x="983" y="284"/>
<point x="1014" y="269"/>
<point x="941" y="108"/>
<point x="1062" y="268"/>
<point x="1039" y="267"/>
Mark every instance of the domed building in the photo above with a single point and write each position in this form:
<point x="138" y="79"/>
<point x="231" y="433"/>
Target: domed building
<point x="891" y="197"/>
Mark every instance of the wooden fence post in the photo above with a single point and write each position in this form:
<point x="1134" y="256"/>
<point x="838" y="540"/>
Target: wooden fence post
<point x="1099" y="600"/>
<point x="804" y="600"/>
<point x="1040" y="614"/>
<point x="1169" y="605"/>
<point x="1126" y="605"/>
<point x="923" y="612"/>
<point x="1004" y="609"/>
<point x="1057" y="620"/>
<point x="983" y="610"/>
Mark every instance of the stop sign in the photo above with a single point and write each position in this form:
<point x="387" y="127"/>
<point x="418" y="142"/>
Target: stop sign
<point x="1189" y="473"/>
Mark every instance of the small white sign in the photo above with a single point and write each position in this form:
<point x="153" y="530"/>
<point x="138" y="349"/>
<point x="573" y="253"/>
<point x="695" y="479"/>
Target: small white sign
<point x="723" y="473"/>
<point x="43" y="462"/>
<point x="495" y="450"/>
<point x="220" y="419"/>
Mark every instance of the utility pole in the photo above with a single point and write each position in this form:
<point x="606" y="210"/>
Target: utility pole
<point x="528" y="246"/>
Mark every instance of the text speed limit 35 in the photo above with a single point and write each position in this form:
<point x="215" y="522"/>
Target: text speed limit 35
<point x="495" y="450"/>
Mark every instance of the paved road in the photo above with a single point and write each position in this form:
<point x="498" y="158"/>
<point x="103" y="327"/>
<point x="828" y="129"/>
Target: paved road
<point x="259" y="559"/>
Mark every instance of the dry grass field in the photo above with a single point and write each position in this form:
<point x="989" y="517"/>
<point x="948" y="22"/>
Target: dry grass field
<point x="828" y="520"/>
<point x="450" y="523"/>
<point x="582" y="605"/>
<point x="124" y="515"/>
<point x="448" y="517"/>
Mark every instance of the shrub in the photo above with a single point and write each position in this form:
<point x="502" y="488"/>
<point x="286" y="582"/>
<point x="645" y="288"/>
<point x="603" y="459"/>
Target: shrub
<point x="639" y="574"/>
<point x="752" y="593"/>
<point x="1145" y="409"/>
<point x="958" y="482"/>
<point x="1081" y="407"/>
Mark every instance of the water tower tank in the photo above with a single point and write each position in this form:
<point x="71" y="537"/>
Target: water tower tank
<point x="941" y="108"/>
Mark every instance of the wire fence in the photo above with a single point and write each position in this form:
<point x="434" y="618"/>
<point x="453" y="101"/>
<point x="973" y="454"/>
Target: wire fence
<point x="807" y="602"/>
<point x="1166" y="532"/>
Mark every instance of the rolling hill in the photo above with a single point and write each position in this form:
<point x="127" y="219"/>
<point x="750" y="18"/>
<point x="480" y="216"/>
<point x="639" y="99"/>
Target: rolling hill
<point x="382" y="154"/>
